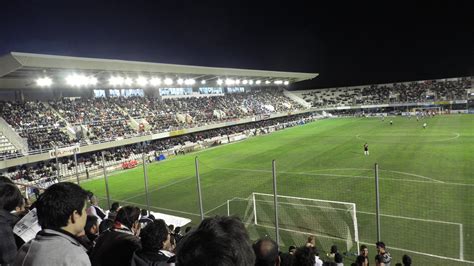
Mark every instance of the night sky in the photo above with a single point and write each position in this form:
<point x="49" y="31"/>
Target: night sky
<point x="347" y="43"/>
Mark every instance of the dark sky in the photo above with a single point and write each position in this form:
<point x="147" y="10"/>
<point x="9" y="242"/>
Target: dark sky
<point x="347" y="42"/>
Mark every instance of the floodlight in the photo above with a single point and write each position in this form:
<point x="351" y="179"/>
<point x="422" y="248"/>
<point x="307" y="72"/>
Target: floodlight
<point x="203" y="82"/>
<point x="189" y="81"/>
<point x="237" y="81"/>
<point x="251" y="82"/>
<point x="229" y="82"/>
<point x="155" y="82"/>
<point x="219" y="82"/>
<point x="278" y="82"/>
<point x="116" y="81"/>
<point x="286" y="82"/>
<point x="76" y="80"/>
<point x="168" y="81"/>
<point x="267" y="82"/>
<point x="180" y="81"/>
<point x="44" y="82"/>
<point x="142" y="81"/>
<point x="245" y="82"/>
<point x="258" y="82"/>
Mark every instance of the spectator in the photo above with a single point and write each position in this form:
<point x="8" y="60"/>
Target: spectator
<point x="363" y="258"/>
<point x="91" y="230"/>
<point x="379" y="260"/>
<point x="105" y="225"/>
<point x="145" y="218"/>
<point x="335" y="256"/>
<point x="177" y="234"/>
<point x="113" y="211"/>
<point x="311" y="242"/>
<point x="95" y="209"/>
<point x="10" y="200"/>
<point x="292" y="250"/>
<point x="386" y="257"/>
<point x="155" y="241"/>
<point x="406" y="260"/>
<point x="305" y="256"/>
<point x="61" y="211"/>
<point x="217" y="241"/>
<point x="116" y="246"/>
<point x="266" y="252"/>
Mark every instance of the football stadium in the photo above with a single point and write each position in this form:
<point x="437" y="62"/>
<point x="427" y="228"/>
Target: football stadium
<point x="236" y="133"/>
<point x="347" y="166"/>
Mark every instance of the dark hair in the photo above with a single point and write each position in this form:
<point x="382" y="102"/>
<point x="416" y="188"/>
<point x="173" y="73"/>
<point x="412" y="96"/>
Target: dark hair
<point x="291" y="248"/>
<point x="406" y="260"/>
<point x="266" y="252"/>
<point x="4" y="179"/>
<point x="333" y="249"/>
<point x="304" y="256"/>
<point x="58" y="203"/>
<point x="144" y="212"/>
<point x="171" y="227"/>
<point x="128" y="215"/>
<point x="153" y="235"/>
<point x="188" y="229"/>
<point x="90" y="222"/>
<point x="10" y="197"/>
<point x="362" y="247"/>
<point x="286" y="259"/>
<point x="115" y="206"/>
<point x="105" y="225"/>
<point x="378" y="258"/>
<point x="380" y="244"/>
<point x="220" y="240"/>
<point x="177" y="230"/>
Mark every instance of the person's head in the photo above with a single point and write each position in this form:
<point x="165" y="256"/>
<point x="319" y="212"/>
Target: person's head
<point x="144" y="212"/>
<point x="177" y="230"/>
<point x="380" y="247"/>
<point x="171" y="228"/>
<point x="364" y="251"/>
<point x="128" y="216"/>
<point x="406" y="260"/>
<point x="115" y="206"/>
<point x="292" y="250"/>
<point x="92" y="225"/>
<point x="266" y="252"/>
<point x="219" y="240"/>
<point x="105" y="225"/>
<point x="94" y="200"/>
<point x="305" y="256"/>
<point x="63" y="206"/>
<point x="155" y="236"/>
<point x="333" y="249"/>
<point x="4" y="179"/>
<point x="311" y="242"/>
<point x="10" y="197"/>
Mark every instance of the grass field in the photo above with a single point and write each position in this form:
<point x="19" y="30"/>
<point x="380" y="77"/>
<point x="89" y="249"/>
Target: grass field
<point x="426" y="182"/>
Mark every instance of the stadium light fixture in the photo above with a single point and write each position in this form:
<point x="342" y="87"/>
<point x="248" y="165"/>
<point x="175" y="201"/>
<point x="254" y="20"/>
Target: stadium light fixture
<point x="168" y="81"/>
<point x="203" y="82"/>
<point x="155" y="82"/>
<point x="44" y="82"/>
<point x="76" y="80"/>
<point x="142" y="81"/>
<point x="189" y="81"/>
<point x="286" y="82"/>
<point x="258" y="82"/>
<point x="267" y="82"/>
<point x="229" y="82"/>
<point x="219" y="82"/>
<point x="180" y="81"/>
<point x="116" y="81"/>
<point x="245" y="82"/>
<point x="237" y="81"/>
<point x="278" y="82"/>
<point x="250" y="82"/>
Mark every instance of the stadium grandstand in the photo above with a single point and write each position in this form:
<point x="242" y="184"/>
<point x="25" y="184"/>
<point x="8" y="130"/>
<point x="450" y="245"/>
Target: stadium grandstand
<point x="86" y="119"/>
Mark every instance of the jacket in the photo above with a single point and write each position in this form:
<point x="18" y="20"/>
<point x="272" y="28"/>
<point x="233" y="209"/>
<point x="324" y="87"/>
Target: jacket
<point x="8" y="246"/>
<point x="52" y="247"/>
<point x="151" y="258"/>
<point x="115" y="247"/>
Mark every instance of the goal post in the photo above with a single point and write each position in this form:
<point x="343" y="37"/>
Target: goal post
<point x="331" y="221"/>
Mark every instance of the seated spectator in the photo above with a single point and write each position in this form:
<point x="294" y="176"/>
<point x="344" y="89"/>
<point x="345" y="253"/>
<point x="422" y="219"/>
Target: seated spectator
<point x="10" y="200"/>
<point x="61" y="211"/>
<point x="116" y="246"/>
<point x="406" y="260"/>
<point x="145" y="218"/>
<point x="217" y="241"/>
<point x="266" y="252"/>
<point x="305" y="256"/>
<point x="155" y="241"/>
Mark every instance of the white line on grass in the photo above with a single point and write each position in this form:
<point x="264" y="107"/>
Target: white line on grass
<point x="456" y="135"/>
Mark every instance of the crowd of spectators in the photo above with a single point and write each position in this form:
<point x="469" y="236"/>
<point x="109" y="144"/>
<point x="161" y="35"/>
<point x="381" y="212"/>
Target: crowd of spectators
<point x="419" y="91"/>
<point x="72" y="234"/>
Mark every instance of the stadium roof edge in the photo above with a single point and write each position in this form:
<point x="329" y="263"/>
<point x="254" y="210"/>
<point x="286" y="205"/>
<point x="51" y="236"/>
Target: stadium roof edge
<point x="17" y="66"/>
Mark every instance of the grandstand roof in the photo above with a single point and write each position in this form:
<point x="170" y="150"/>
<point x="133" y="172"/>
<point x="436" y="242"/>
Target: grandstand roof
<point x="20" y="70"/>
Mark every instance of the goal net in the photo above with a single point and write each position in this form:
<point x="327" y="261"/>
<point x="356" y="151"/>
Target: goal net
<point x="332" y="222"/>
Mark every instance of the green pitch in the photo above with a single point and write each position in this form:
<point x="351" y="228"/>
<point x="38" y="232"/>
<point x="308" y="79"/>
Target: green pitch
<point x="426" y="182"/>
